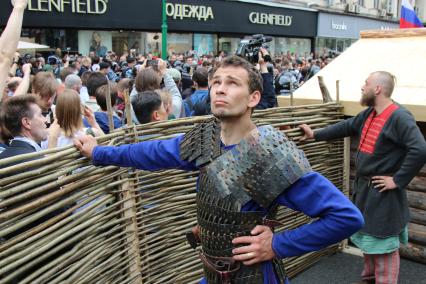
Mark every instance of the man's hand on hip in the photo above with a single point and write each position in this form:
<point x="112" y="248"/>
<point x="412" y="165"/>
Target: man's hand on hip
<point x="258" y="247"/>
<point x="85" y="145"/>
<point x="383" y="183"/>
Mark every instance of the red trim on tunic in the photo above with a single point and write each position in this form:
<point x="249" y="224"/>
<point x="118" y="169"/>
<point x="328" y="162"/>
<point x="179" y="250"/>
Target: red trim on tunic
<point x="373" y="127"/>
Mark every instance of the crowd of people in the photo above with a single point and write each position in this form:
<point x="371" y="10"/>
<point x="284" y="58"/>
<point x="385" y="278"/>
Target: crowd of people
<point x="59" y="101"/>
<point x="177" y="87"/>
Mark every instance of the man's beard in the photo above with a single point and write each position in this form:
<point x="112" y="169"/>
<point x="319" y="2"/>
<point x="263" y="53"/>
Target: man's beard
<point x="368" y="100"/>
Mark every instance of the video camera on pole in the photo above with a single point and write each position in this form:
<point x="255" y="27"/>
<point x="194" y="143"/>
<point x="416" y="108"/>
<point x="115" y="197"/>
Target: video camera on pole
<point x="249" y="48"/>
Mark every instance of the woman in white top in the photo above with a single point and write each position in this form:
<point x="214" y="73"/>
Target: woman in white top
<point x="69" y="121"/>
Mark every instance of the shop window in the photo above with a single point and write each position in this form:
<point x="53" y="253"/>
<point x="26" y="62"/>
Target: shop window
<point x="63" y="39"/>
<point x="296" y="46"/>
<point x="98" y="42"/>
<point x="229" y="44"/>
<point x="127" y="43"/>
<point x="340" y="45"/>
<point x="205" y="44"/>
<point x="179" y="43"/>
<point x="152" y="43"/>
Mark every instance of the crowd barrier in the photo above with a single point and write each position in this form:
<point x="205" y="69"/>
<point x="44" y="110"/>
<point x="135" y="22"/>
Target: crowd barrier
<point x="63" y="220"/>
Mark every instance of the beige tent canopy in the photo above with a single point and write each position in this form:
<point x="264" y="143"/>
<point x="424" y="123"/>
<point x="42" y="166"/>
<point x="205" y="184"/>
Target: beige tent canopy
<point x="30" y="45"/>
<point x="401" y="52"/>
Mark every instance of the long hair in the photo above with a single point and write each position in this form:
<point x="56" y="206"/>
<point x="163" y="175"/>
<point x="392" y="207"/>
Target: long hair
<point x="68" y="112"/>
<point x="147" y="80"/>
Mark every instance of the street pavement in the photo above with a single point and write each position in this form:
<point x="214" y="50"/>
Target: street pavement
<point x="344" y="268"/>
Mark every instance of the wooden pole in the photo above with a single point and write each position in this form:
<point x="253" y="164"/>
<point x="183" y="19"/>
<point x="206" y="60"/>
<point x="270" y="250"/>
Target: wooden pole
<point x="346" y="173"/>
<point x="337" y="91"/>
<point x="128" y="107"/>
<point x="109" y="108"/>
<point x="393" y="33"/>
<point x="326" y="98"/>
<point x="135" y="269"/>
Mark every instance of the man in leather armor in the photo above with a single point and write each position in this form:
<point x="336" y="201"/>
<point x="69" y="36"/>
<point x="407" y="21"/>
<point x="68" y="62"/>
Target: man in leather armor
<point x="246" y="172"/>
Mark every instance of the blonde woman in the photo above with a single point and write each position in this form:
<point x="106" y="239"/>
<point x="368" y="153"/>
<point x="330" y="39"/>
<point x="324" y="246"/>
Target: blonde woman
<point x="69" y="121"/>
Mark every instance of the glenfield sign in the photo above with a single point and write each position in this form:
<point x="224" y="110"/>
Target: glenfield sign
<point x="73" y="6"/>
<point x="270" y="19"/>
<point x="183" y="16"/>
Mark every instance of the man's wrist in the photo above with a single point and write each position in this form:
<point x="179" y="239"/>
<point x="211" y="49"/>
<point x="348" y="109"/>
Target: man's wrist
<point x="274" y="245"/>
<point x="19" y="8"/>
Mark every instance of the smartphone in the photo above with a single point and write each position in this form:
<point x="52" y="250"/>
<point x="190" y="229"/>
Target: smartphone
<point x="151" y="63"/>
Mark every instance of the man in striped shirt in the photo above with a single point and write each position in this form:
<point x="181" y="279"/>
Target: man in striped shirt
<point x="390" y="153"/>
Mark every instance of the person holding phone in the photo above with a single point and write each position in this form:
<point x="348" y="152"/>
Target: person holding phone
<point x="69" y="121"/>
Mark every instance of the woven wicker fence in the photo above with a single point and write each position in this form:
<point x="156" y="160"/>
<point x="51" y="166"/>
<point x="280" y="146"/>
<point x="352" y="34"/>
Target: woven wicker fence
<point x="63" y="220"/>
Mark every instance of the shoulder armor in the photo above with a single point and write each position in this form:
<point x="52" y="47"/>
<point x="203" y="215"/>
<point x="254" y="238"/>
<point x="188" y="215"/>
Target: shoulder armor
<point x="261" y="167"/>
<point x="202" y="143"/>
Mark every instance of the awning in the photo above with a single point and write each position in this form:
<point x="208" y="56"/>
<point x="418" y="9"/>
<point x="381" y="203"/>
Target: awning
<point x="400" y="52"/>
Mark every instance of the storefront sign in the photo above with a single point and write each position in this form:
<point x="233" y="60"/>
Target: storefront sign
<point x="348" y="27"/>
<point x="74" y="6"/>
<point x="192" y="16"/>
<point x="270" y="19"/>
<point x="181" y="11"/>
<point x="337" y="26"/>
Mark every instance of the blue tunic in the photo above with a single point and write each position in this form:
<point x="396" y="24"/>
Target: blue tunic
<point x="312" y="194"/>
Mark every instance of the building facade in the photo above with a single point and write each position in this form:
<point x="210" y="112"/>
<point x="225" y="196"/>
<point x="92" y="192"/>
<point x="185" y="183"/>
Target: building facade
<point x="337" y="31"/>
<point x="206" y="26"/>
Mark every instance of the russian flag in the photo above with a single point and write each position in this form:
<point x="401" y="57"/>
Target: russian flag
<point x="409" y="18"/>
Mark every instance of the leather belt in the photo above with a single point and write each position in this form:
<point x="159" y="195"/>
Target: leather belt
<point x="224" y="267"/>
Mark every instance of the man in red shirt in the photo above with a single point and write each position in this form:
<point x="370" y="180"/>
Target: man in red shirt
<point x="390" y="153"/>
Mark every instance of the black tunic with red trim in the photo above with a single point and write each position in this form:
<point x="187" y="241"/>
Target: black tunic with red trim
<point x="391" y="144"/>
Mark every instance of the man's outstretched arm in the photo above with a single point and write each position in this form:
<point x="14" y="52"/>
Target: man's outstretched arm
<point x="9" y="39"/>
<point x="150" y="155"/>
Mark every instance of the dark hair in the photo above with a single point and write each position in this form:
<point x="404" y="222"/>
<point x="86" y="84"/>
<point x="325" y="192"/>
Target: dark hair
<point x="124" y="84"/>
<point x="101" y="96"/>
<point x="65" y="72"/>
<point x="144" y="104"/>
<point x="12" y="86"/>
<point x="14" y="110"/>
<point x="206" y="64"/>
<point x="201" y="77"/>
<point x="104" y="65"/>
<point x="147" y="80"/>
<point x="85" y="77"/>
<point x="255" y="81"/>
<point x="96" y="60"/>
<point x="130" y="60"/>
<point x="95" y="80"/>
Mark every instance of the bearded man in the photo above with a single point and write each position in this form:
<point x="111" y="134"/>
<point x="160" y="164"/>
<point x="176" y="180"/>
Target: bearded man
<point x="390" y="153"/>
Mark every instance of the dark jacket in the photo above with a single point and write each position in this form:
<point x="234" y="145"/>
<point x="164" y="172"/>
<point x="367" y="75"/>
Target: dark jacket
<point x="268" y="98"/>
<point x="399" y="151"/>
<point x="16" y="148"/>
<point x="198" y="99"/>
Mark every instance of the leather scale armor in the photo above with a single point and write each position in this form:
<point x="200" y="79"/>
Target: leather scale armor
<point x="260" y="167"/>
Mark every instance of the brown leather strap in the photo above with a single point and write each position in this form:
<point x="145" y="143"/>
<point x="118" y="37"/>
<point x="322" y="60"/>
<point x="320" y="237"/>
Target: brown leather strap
<point x="224" y="267"/>
<point x="271" y="223"/>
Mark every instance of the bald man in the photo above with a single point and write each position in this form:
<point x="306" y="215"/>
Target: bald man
<point x="390" y="153"/>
